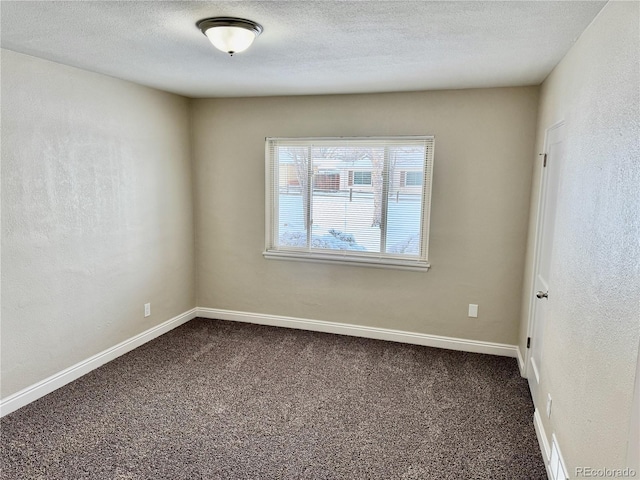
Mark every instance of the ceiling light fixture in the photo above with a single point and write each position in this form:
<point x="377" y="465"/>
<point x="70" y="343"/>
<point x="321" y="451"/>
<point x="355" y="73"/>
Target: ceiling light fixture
<point x="231" y="35"/>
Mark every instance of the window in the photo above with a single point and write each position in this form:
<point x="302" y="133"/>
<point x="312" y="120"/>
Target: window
<point x="350" y="204"/>
<point x="413" y="179"/>
<point x="361" y="178"/>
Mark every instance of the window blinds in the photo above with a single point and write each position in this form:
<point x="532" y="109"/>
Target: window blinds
<point x="348" y="199"/>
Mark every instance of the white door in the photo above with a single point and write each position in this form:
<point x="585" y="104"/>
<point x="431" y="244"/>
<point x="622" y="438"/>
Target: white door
<point x="542" y="291"/>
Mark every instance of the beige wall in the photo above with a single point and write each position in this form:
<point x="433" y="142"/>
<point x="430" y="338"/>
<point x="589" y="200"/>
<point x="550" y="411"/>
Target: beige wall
<point x="97" y="214"/>
<point x="591" y="340"/>
<point x="484" y="145"/>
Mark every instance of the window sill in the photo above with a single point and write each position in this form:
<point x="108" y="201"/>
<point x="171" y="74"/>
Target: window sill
<point x="396" y="264"/>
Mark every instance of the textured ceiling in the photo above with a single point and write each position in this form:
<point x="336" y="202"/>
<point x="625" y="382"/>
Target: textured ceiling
<point x="308" y="47"/>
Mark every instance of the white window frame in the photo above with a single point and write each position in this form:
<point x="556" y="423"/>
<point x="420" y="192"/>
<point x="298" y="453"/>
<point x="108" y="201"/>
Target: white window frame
<point x="347" y="257"/>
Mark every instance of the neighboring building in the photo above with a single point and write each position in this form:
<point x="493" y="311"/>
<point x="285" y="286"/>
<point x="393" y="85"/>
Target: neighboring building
<point x="333" y="175"/>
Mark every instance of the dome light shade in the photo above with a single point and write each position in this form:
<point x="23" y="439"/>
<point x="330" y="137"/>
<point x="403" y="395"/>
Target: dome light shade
<point x="230" y="35"/>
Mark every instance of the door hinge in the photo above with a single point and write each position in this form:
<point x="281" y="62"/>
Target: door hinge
<point x="528" y="342"/>
<point x="544" y="159"/>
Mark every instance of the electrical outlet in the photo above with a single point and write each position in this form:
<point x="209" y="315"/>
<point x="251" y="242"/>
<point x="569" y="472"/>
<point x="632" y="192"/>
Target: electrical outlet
<point x="147" y="309"/>
<point x="473" y="310"/>
<point x="548" y="405"/>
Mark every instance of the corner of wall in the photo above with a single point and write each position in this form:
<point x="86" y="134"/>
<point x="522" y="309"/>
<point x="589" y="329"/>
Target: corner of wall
<point x="194" y="198"/>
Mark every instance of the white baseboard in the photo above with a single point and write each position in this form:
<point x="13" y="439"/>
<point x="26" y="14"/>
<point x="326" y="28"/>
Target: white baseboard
<point x="48" y="385"/>
<point x="545" y="449"/>
<point x="450" y="343"/>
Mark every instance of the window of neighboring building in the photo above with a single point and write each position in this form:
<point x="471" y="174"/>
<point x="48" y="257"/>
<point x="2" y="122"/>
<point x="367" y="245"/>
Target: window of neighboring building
<point x="325" y="219"/>
<point x="361" y="178"/>
<point x="413" y="179"/>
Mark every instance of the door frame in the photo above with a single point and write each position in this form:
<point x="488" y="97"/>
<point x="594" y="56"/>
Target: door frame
<point x="633" y="448"/>
<point x="540" y="210"/>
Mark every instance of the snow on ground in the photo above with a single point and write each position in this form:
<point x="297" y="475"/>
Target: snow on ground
<point x="341" y="224"/>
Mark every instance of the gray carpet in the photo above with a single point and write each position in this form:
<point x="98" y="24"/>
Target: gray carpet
<point x="223" y="400"/>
